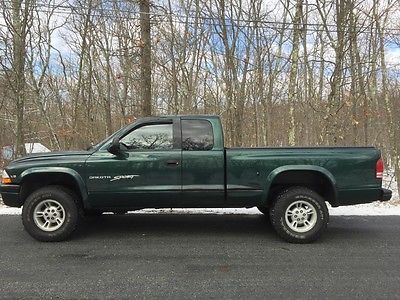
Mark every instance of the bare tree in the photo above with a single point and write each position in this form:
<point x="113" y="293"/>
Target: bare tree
<point x="145" y="56"/>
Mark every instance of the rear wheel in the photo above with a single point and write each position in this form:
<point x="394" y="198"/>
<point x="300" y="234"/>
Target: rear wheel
<point x="299" y="215"/>
<point x="50" y="214"/>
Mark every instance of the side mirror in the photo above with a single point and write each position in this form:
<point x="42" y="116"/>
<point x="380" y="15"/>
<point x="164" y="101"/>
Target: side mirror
<point x="115" y="147"/>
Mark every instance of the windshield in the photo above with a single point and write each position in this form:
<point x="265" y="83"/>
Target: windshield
<point x="98" y="145"/>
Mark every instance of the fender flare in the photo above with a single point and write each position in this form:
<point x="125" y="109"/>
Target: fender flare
<point x="324" y="172"/>
<point x="59" y="170"/>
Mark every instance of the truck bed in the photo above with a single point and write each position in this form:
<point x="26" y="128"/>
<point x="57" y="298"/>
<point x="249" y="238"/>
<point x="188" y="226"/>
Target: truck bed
<point x="351" y="170"/>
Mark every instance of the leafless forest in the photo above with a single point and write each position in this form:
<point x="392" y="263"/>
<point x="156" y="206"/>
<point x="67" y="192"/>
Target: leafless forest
<point x="282" y="72"/>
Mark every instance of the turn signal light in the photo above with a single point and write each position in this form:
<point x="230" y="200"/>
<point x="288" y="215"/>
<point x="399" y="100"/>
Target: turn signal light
<point x="5" y="179"/>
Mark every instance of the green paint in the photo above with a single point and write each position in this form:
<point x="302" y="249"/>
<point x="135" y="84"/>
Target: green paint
<point x="214" y="178"/>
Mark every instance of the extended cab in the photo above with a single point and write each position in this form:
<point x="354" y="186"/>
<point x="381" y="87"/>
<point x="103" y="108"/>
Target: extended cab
<point x="181" y="161"/>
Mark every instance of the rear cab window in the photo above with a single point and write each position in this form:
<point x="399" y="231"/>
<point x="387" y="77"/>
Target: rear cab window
<point x="197" y="135"/>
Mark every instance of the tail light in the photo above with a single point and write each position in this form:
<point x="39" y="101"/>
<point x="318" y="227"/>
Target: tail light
<point x="379" y="169"/>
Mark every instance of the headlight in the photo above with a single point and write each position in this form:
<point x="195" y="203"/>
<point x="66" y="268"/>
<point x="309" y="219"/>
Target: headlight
<point x="5" y="178"/>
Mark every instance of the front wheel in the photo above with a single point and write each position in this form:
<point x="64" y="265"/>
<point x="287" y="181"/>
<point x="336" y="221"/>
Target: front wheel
<point x="299" y="215"/>
<point x="50" y="214"/>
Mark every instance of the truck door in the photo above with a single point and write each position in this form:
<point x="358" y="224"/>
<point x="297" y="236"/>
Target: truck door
<point x="146" y="174"/>
<point x="202" y="165"/>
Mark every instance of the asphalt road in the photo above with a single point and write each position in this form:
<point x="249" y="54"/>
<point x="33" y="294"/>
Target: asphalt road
<point x="204" y="256"/>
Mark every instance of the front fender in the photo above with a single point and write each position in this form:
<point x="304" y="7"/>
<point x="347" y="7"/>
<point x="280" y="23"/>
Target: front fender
<point x="271" y="177"/>
<point x="52" y="170"/>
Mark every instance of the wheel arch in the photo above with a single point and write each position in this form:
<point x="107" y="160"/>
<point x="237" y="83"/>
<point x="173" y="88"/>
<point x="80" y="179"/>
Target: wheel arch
<point x="314" y="177"/>
<point x="35" y="178"/>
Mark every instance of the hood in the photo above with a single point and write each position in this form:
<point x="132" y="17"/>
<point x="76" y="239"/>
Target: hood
<point x="59" y="155"/>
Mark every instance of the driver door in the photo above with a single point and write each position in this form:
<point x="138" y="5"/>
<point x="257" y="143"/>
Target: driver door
<point x="147" y="172"/>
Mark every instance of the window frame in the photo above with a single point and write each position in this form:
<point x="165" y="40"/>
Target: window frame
<point x="198" y="120"/>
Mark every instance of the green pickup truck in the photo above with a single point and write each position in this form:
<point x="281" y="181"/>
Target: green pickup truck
<point x="181" y="162"/>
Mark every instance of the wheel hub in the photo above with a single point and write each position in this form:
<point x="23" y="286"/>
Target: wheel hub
<point x="49" y="215"/>
<point x="301" y="216"/>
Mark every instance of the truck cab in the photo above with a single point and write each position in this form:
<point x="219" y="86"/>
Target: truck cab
<point x="160" y="162"/>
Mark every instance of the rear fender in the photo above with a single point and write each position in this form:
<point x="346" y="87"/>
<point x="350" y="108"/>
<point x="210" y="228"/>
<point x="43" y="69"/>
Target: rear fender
<point x="272" y="176"/>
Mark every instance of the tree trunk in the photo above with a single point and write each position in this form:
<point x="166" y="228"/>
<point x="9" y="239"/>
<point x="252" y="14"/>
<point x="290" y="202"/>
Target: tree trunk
<point x="145" y="56"/>
<point x="20" y="15"/>
<point x="292" y="94"/>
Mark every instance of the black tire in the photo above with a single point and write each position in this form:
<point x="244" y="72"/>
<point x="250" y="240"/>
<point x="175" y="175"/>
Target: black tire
<point x="69" y="202"/>
<point x="281" y="223"/>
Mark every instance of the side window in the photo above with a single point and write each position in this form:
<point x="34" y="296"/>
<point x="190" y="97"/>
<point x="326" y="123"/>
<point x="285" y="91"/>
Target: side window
<point x="150" y="137"/>
<point x="197" y="135"/>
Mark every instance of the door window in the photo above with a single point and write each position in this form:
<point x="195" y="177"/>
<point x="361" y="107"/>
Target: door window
<point x="197" y="135"/>
<point x="150" y="137"/>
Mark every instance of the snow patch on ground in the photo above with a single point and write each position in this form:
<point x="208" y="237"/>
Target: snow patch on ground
<point x="9" y="210"/>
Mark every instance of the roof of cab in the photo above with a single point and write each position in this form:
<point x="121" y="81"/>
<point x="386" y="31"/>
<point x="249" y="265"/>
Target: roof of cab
<point x="189" y="116"/>
<point x="157" y="118"/>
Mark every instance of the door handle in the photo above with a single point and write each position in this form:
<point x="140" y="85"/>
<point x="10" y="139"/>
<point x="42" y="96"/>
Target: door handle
<point x="172" y="162"/>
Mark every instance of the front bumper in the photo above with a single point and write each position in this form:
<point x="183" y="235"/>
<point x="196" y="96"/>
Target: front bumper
<point x="386" y="195"/>
<point x="11" y="194"/>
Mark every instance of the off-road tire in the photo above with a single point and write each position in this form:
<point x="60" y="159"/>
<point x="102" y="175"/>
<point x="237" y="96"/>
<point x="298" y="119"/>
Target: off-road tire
<point x="68" y="200"/>
<point x="286" y="198"/>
